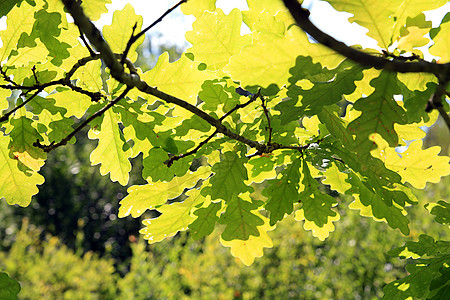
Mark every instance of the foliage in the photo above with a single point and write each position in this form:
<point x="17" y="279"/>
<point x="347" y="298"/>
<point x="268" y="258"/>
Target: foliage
<point x="9" y="288"/>
<point x="429" y="271"/>
<point x="50" y="270"/>
<point x="242" y="130"/>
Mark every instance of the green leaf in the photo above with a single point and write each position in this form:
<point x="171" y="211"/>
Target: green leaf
<point x="46" y="28"/>
<point x="316" y="206"/>
<point x="23" y="135"/>
<point x="110" y="151"/>
<point x="424" y="273"/>
<point x="441" y="210"/>
<point x="239" y="220"/>
<point x="379" y="114"/>
<point x="229" y="177"/>
<point x="283" y="192"/>
<point x="327" y="92"/>
<point x="9" y="288"/>
<point x="16" y="186"/>
<point x="213" y="94"/>
<point x="381" y="205"/>
<point x="206" y="220"/>
<point x="156" y="168"/>
<point x="7" y="5"/>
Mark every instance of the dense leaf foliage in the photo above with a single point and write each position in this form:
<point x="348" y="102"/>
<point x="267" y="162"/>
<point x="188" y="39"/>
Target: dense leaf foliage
<point x="242" y="130"/>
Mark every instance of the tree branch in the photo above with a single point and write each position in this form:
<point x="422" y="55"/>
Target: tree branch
<point x="174" y="158"/>
<point x="6" y="116"/>
<point x="117" y="71"/>
<point x="301" y="16"/>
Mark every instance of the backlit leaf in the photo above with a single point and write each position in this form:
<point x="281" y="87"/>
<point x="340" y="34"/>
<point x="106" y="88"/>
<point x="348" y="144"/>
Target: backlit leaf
<point x="248" y="250"/>
<point x="239" y="219"/>
<point x="110" y="151"/>
<point x="216" y="37"/>
<point x="16" y="186"/>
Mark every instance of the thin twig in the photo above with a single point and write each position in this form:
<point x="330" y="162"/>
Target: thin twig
<point x="174" y="158"/>
<point x="239" y="106"/>
<point x="134" y="38"/>
<point x="33" y="69"/>
<point x="53" y="145"/>
<point x="6" y="77"/>
<point x="86" y="44"/>
<point x="6" y="116"/>
<point x="266" y="112"/>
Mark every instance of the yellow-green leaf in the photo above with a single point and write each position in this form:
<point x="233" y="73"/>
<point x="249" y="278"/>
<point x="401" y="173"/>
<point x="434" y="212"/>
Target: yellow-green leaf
<point x="16" y="186"/>
<point x="319" y="232"/>
<point x="216" y="37"/>
<point x="268" y="60"/>
<point x="415" y="165"/>
<point x="150" y="196"/>
<point x="110" y="151"/>
<point x="174" y="217"/>
<point x="119" y="32"/>
<point x="89" y="76"/>
<point x="20" y="20"/>
<point x="198" y="7"/>
<point x="249" y="249"/>
<point x="95" y="8"/>
<point x="181" y="78"/>
<point x="441" y="39"/>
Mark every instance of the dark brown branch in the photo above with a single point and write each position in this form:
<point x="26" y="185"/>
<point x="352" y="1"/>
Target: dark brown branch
<point x="33" y="69"/>
<point x="66" y="81"/>
<point x="86" y="44"/>
<point x="134" y="38"/>
<point x="436" y="101"/>
<point x="266" y="112"/>
<point x="6" y="77"/>
<point x="6" y="116"/>
<point x="174" y="158"/>
<point x="301" y="16"/>
<point x="53" y="145"/>
<point x="239" y="106"/>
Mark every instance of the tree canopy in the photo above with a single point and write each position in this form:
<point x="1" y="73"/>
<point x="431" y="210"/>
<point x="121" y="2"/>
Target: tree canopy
<point x="242" y="130"/>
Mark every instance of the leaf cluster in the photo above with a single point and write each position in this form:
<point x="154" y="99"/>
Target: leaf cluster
<point x="242" y="130"/>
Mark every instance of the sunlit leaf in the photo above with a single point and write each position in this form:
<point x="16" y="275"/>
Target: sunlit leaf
<point x="16" y="186"/>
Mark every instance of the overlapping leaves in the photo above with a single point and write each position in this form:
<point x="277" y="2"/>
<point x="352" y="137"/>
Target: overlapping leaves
<point x="352" y="150"/>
